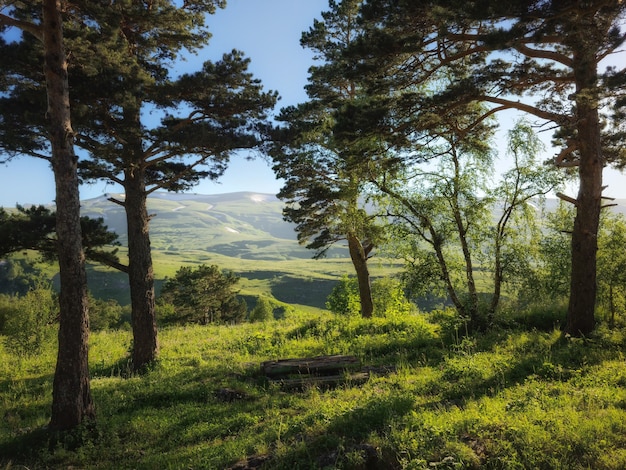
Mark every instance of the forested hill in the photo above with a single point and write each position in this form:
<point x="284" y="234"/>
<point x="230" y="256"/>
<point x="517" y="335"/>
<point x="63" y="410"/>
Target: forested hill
<point x="242" y="224"/>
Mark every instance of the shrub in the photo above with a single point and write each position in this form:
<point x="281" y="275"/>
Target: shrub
<point x="262" y="311"/>
<point x="344" y="298"/>
<point x="27" y="324"/>
<point x="387" y="294"/>
<point x="104" y="314"/>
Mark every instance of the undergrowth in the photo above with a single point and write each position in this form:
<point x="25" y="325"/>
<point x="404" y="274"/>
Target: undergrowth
<point x="509" y="399"/>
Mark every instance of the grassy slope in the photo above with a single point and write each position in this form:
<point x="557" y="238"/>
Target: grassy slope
<point x="507" y="400"/>
<point x="242" y="232"/>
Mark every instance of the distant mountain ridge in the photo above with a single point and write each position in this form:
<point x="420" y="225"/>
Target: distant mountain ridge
<point x="241" y="224"/>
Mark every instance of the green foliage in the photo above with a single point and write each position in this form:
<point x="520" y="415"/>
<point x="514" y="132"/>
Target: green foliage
<point x="344" y="298"/>
<point x="551" y="276"/>
<point x="387" y="293"/>
<point x="203" y="295"/>
<point x="262" y="311"/>
<point x="34" y="228"/>
<point x="326" y="175"/>
<point x="18" y="275"/>
<point x="612" y="266"/>
<point x="105" y="314"/>
<point x="28" y="320"/>
<point x="390" y="299"/>
<point x="510" y="399"/>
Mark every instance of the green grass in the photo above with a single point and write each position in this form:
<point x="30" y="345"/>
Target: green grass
<point x="510" y="399"/>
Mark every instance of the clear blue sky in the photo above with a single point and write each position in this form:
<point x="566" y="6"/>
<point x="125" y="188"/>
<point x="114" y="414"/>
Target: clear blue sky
<point x="268" y="31"/>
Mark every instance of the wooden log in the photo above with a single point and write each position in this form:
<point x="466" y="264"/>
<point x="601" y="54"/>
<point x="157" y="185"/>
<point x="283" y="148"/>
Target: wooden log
<point x="320" y="365"/>
<point x="320" y="381"/>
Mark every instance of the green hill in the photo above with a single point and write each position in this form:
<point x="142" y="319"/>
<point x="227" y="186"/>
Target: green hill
<point x="243" y="232"/>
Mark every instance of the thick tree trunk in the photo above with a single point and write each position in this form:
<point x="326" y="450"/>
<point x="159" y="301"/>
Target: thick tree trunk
<point x="71" y="395"/>
<point x="359" y="260"/>
<point x="140" y="271"/>
<point x="581" y="310"/>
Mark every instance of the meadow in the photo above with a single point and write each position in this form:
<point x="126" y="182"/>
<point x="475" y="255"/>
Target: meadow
<point x="520" y="397"/>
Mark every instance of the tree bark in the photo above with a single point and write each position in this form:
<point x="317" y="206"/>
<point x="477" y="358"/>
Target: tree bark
<point x="71" y="395"/>
<point x="359" y="260"/>
<point x="581" y="309"/>
<point x="140" y="269"/>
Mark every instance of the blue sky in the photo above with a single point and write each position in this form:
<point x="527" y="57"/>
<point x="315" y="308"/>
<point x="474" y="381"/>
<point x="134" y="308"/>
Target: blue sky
<point x="268" y="31"/>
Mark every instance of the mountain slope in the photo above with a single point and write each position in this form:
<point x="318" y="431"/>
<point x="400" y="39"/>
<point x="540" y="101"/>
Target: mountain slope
<point x="242" y="225"/>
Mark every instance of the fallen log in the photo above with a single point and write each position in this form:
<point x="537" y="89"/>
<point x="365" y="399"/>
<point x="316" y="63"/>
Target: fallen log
<point x="315" y="366"/>
<point x="303" y="381"/>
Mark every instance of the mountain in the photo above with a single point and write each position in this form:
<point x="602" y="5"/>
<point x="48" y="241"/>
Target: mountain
<point x="242" y="225"/>
<point x="244" y="232"/>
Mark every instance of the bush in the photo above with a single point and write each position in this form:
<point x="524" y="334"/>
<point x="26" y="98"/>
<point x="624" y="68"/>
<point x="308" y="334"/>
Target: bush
<point x="387" y="294"/>
<point x="262" y="311"/>
<point x="27" y="323"/>
<point x="104" y="314"/>
<point x="344" y="298"/>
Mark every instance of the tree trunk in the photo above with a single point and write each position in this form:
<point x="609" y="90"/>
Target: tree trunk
<point x="71" y="395"/>
<point x="581" y="310"/>
<point x="140" y="271"/>
<point x="359" y="260"/>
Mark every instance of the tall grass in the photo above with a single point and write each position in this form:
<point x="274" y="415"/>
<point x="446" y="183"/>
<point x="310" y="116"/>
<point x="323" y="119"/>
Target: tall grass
<point x="510" y="399"/>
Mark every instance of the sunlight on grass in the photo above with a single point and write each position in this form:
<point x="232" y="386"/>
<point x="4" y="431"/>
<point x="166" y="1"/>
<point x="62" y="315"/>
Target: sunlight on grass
<point x="505" y="400"/>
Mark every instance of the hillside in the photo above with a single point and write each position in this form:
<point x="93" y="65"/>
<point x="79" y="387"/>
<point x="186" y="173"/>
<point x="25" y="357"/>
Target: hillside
<point x="242" y="225"/>
<point x="243" y="232"/>
<point x="520" y="398"/>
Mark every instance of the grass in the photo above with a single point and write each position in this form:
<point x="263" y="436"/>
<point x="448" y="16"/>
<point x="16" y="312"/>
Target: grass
<point x="510" y="399"/>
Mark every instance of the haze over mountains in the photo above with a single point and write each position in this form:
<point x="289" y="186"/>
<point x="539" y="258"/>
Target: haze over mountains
<point x="244" y="225"/>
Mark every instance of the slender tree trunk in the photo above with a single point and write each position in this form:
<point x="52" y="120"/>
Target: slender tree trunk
<point x="581" y="310"/>
<point x="497" y="280"/>
<point x="359" y="260"/>
<point x="140" y="271"/>
<point x="445" y="273"/>
<point x="71" y="395"/>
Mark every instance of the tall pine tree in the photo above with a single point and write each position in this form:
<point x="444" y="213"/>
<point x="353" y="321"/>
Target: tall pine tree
<point x="325" y="176"/>
<point x="72" y="403"/>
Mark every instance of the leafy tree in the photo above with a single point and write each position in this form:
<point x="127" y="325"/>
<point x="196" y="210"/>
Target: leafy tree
<point x="389" y="298"/>
<point x="204" y="295"/>
<point x="325" y="185"/>
<point x="517" y="197"/>
<point x="262" y="311"/>
<point x="122" y="56"/>
<point x="538" y="57"/>
<point x="442" y="206"/>
<point x="449" y="206"/>
<point x="72" y="402"/>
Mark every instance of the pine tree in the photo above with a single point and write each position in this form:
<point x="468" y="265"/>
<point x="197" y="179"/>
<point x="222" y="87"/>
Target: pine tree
<point x="324" y="175"/>
<point x="122" y="56"/>
<point x="72" y="403"/>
